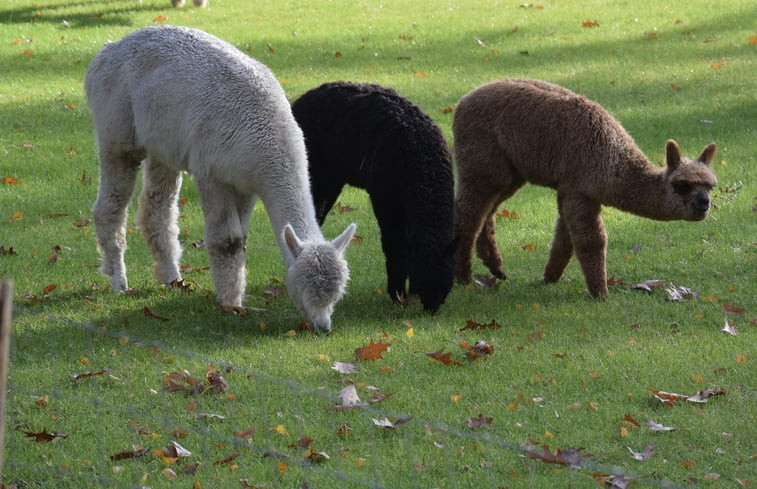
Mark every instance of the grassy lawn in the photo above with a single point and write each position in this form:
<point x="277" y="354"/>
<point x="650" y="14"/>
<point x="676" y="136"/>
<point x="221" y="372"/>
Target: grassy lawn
<point x="566" y="371"/>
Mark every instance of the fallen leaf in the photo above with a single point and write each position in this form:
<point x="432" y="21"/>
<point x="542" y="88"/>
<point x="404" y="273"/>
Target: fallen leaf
<point x="677" y="294"/>
<point x="345" y="367"/>
<point x="667" y="397"/>
<point x="372" y="351"/>
<point x="479" y="421"/>
<point x="491" y="283"/>
<point x="613" y="480"/>
<point x="210" y="416"/>
<point x="44" y="436"/>
<point x="590" y="23"/>
<point x="571" y="457"/>
<point x="648" y="285"/>
<point x="136" y="452"/>
<point x="246" y="433"/>
<point x="91" y="374"/>
<point x="226" y="459"/>
<point x="658" y="427"/>
<point x="378" y="398"/>
<point x="480" y="348"/>
<point x="10" y="181"/>
<point x="173" y="450"/>
<point x="317" y="457"/>
<point x="729" y="328"/>
<point x="649" y="451"/>
<point x="718" y="64"/>
<point x="390" y="423"/>
<point x="732" y="309"/>
<point x="476" y="325"/>
<point x="349" y="398"/>
<point x="149" y="313"/>
<point x="702" y="396"/>
<point x="630" y="420"/>
<point x="445" y="358"/>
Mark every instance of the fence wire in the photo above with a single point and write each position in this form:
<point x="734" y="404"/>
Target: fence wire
<point x="48" y="464"/>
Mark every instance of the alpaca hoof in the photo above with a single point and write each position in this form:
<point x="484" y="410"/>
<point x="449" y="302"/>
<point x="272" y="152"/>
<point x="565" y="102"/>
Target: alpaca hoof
<point x="550" y="280"/>
<point x="236" y="310"/>
<point x="499" y="274"/>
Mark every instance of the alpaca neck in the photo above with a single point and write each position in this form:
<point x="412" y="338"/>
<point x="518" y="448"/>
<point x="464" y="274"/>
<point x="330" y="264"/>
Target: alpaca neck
<point x="295" y="207"/>
<point x="638" y="187"/>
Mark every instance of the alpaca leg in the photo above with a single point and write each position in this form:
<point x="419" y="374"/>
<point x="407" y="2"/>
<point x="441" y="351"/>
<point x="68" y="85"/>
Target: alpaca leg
<point x="560" y="253"/>
<point x="158" y="218"/>
<point x="587" y="233"/>
<point x="391" y="223"/>
<point x="118" y="177"/>
<point x="225" y="237"/>
<point x="486" y="246"/>
<point x="471" y="209"/>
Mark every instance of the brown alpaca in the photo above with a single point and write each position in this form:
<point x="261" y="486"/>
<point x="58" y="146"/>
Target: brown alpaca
<point x="514" y="131"/>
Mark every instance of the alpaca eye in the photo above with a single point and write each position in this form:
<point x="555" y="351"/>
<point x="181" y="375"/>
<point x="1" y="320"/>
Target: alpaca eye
<point x="682" y="188"/>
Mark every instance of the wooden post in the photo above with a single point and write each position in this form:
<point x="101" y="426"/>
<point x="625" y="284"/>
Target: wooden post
<point x="6" y="305"/>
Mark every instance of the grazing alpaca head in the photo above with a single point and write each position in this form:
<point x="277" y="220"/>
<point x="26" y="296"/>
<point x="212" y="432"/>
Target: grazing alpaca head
<point x="318" y="276"/>
<point x="688" y="183"/>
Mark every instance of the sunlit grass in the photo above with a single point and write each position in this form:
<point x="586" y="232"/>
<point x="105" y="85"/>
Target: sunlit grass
<point x="565" y="369"/>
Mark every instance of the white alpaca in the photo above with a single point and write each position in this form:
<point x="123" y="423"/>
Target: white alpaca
<point x="179" y="99"/>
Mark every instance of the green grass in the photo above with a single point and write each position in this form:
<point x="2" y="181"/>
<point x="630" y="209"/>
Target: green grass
<point x="659" y="69"/>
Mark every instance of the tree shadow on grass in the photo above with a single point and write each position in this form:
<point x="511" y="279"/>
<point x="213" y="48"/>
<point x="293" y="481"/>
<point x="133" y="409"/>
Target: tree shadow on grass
<point x="77" y="14"/>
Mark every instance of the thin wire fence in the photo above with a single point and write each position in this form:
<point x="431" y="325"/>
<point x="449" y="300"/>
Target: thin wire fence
<point x="256" y="460"/>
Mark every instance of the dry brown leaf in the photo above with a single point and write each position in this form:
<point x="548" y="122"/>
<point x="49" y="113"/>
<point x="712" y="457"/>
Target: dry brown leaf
<point x="373" y="351"/>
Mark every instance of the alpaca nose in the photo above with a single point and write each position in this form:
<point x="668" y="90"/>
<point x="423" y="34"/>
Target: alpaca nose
<point x="702" y="203"/>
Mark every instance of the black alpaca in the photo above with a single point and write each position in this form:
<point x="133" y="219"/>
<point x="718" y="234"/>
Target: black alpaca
<point x="370" y="137"/>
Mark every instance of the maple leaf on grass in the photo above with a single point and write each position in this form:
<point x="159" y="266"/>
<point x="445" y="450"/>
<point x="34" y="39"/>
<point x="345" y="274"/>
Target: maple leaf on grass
<point x="44" y="436"/>
<point x="649" y="451"/>
<point x="572" y="457"/>
<point x="372" y="351"/>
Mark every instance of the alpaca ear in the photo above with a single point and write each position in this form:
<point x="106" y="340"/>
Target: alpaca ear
<point x="341" y="241"/>
<point x="708" y="154"/>
<point x="672" y="154"/>
<point x="293" y="242"/>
